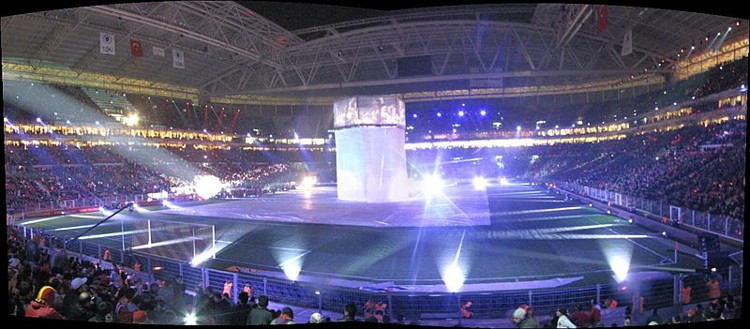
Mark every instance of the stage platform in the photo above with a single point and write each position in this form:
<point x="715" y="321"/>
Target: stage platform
<point x="459" y="205"/>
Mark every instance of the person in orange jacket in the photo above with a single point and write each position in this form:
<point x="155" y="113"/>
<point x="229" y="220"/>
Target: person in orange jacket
<point x="41" y="307"/>
<point x="685" y="295"/>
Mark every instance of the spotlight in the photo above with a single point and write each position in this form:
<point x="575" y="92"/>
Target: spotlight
<point x="5" y="119"/>
<point x="206" y="186"/>
<point x="713" y="270"/>
<point x="591" y="204"/>
<point x="317" y="292"/>
<point x="482" y="112"/>
<point x="609" y="212"/>
<point x="439" y="114"/>
<point x="39" y="120"/>
<point x="631" y="221"/>
<point x="433" y="184"/>
<point x="191" y="319"/>
<point x="461" y="113"/>
<point x="308" y="182"/>
<point x="453" y="278"/>
<point x="479" y="183"/>
<point x="664" y="234"/>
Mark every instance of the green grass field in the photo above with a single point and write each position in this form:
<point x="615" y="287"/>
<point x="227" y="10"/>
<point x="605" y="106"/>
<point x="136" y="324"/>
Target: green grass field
<point x="533" y="235"/>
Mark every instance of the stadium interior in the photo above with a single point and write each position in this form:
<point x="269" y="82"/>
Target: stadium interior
<point x="176" y="163"/>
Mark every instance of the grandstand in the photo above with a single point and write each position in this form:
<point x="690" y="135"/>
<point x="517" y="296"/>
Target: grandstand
<point x="172" y="155"/>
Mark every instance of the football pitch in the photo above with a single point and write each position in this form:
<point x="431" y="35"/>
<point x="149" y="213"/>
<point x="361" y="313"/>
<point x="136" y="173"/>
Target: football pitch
<point x="532" y="234"/>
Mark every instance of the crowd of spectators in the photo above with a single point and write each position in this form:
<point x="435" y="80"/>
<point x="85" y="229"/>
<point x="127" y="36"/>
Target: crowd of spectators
<point x="46" y="177"/>
<point x="700" y="168"/>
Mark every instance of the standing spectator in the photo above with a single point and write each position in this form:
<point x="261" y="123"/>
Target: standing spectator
<point x="714" y="288"/>
<point x="349" y="313"/>
<point x="261" y="315"/>
<point x="713" y="311"/>
<point x="595" y="317"/>
<point x="579" y="317"/>
<point x="523" y="317"/>
<point x="124" y="310"/>
<point x="41" y="307"/>
<point x="227" y="289"/>
<point x="222" y="309"/>
<point x="285" y="317"/>
<point x="562" y="319"/>
<point x="465" y="313"/>
<point x="241" y="310"/>
<point x="685" y="294"/>
<point x="178" y="294"/>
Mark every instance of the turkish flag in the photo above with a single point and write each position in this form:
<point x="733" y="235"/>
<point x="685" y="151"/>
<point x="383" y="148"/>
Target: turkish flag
<point x="135" y="48"/>
<point x="601" y="19"/>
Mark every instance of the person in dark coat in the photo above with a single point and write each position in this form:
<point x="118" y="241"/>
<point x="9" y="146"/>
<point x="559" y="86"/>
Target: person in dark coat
<point x="260" y="315"/>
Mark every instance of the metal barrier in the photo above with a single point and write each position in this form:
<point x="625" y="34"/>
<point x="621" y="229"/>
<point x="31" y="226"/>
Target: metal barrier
<point x="730" y="228"/>
<point x="488" y="305"/>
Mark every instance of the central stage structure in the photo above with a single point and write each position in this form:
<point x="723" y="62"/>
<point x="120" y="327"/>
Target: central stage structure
<point x="370" y="156"/>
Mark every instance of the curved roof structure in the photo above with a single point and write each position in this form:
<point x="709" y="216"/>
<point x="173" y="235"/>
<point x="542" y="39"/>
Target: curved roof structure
<point x="231" y="50"/>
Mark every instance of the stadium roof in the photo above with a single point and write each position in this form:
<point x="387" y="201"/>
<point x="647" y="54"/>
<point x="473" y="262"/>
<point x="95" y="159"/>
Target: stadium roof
<point x="247" y="48"/>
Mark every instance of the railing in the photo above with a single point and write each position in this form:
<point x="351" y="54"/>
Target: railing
<point x="33" y="207"/>
<point x="657" y="293"/>
<point x="727" y="227"/>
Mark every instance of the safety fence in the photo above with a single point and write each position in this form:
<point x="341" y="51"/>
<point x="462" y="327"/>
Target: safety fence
<point x="657" y="293"/>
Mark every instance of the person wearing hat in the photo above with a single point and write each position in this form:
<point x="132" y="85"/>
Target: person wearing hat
<point x="316" y="318"/>
<point x="84" y="307"/>
<point x="522" y="319"/>
<point x="77" y="286"/>
<point x="42" y="306"/>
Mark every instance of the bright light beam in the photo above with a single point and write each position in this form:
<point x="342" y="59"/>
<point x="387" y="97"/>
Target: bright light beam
<point x="41" y="220"/>
<point x="433" y="186"/>
<point x="479" y="183"/>
<point x="164" y="243"/>
<point x="453" y="276"/>
<point x="618" y="254"/>
<point x="293" y="266"/>
<point x="191" y="319"/>
<point x="104" y="235"/>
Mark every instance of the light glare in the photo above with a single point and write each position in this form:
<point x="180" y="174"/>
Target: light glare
<point x="453" y="277"/>
<point x="479" y="183"/>
<point x="206" y="186"/>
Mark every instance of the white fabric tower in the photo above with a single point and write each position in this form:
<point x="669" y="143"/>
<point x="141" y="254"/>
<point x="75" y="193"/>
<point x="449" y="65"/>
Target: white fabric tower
<point x="370" y="156"/>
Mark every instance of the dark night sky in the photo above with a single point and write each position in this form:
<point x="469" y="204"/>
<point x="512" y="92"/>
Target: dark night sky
<point x="303" y="14"/>
<point x="298" y="15"/>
